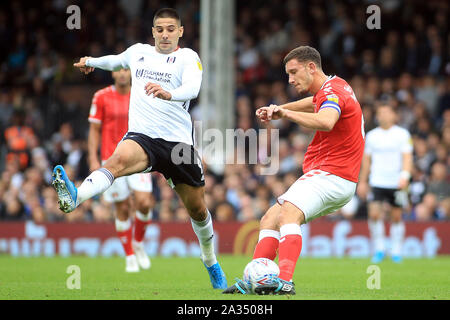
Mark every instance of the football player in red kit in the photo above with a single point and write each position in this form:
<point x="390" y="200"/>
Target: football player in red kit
<point x="331" y="164"/>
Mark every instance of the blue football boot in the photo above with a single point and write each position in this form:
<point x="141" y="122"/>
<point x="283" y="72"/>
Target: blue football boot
<point x="66" y="190"/>
<point x="217" y="276"/>
<point x="378" y="257"/>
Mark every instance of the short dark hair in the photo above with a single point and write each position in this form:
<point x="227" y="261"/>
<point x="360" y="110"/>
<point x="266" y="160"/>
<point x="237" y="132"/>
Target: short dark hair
<point x="304" y="54"/>
<point x="167" y="13"/>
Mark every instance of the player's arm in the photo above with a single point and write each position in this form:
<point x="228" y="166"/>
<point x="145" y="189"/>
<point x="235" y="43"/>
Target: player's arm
<point x="108" y="63"/>
<point x="407" y="166"/>
<point x="363" y="185"/>
<point x="303" y="105"/>
<point x="95" y="127"/>
<point x="191" y="81"/>
<point x="407" y="161"/>
<point x="94" y="138"/>
<point x="324" y="120"/>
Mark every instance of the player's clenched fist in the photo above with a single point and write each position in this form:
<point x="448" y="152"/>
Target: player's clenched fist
<point x="82" y="65"/>
<point x="157" y="91"/>
<point x="272" y="112"/>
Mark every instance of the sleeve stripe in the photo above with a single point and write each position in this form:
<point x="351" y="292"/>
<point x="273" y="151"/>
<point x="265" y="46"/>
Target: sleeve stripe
<point x="94" y="120"/>
<point x="330" y="104"/>
<point x="333" y="107"/>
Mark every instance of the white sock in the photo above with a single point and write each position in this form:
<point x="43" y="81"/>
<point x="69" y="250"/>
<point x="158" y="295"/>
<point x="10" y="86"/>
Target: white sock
<point x="376" y="228"/>
<point x="97" y="182"/>
<point x="205" y="234"/>
<point x="291" y="228"/>
<point x="122" y="225"/>
<point x="264" y="233"/>
<point x="144" y="217"/>
<point x="397" y="232"/>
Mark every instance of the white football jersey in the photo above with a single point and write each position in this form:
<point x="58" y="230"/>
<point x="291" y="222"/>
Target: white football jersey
<point x="386" y="148"/>
<point x="179" y="73"/>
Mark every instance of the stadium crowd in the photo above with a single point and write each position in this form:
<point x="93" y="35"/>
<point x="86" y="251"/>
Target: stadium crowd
<point x="405" y="63"/>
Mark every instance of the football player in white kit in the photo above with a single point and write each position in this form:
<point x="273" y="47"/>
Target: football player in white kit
<point x="165" y="78"/>
<point x="384" y="177"/>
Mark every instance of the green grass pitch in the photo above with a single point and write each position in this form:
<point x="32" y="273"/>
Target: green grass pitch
<point x="186" y="279"/>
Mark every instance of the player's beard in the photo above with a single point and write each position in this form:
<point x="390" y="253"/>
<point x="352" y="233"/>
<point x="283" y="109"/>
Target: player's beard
<point x="306" y="85"/>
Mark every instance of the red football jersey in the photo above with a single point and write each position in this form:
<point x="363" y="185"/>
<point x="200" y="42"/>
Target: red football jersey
<point x="339" y="151"/>
<point x="110" y="109"/>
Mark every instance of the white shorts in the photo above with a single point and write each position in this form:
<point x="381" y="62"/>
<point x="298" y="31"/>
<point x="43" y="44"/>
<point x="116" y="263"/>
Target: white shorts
<point x="318" y="193"/>
<point x="122" y="186"/>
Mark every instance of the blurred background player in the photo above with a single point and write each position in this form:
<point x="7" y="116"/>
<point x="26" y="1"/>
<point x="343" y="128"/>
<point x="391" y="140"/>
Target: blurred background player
<point x="108" y="124"/>
<point x="331" y="164"/>
<point x="386" y="172"/>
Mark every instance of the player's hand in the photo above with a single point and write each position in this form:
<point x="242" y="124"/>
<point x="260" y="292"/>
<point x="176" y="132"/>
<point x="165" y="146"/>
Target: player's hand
<point x="362" y="190"/>
<point x="157" y="91"/>
<point x="403" y="184"/>
<point x="272" y="112"/>
<point x="82" y="65"/>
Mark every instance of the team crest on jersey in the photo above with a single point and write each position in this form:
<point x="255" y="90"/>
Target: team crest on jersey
<point x="171" y="59"/>
<point x="333" y="97"/>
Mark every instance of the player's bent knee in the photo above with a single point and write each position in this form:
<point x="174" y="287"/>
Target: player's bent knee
<point x="117" y="163"/>
<point x="289" y="213"/>
<point x="197" y="212"/>
<point x="270" y="219"/>
<point x="122" y="210"/>
<point x="143" y="206"/>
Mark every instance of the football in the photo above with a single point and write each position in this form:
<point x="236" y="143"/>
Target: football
<point x="260" y="271"/>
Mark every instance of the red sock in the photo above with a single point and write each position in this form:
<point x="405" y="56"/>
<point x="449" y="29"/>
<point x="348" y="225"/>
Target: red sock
<point x="290" y="248"/>
<point x="125" y="238"/>
<point x="266" y="248"/>
<point x="139" y="229"/>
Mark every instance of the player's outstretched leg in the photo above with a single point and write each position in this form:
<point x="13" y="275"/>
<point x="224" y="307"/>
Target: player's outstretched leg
<point x="66" y="190"/>
<point x="266" y="247"/>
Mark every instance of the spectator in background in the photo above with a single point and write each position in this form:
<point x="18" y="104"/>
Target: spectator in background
<point x="19" y="139"/>
<point x="437" y="197"/>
